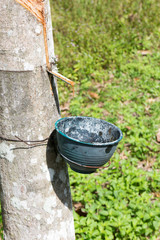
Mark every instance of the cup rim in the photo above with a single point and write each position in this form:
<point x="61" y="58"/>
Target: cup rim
<point x="87" y="143"/>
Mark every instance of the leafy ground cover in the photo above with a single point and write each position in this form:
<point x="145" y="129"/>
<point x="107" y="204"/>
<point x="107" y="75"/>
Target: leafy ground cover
<point x="111" y="50"/>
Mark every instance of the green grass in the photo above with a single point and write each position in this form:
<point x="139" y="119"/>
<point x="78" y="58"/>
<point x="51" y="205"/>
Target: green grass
<point x="111" y="50"/>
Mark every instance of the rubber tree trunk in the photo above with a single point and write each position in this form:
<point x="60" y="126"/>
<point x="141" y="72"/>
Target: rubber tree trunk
<point x="35" y="191"/>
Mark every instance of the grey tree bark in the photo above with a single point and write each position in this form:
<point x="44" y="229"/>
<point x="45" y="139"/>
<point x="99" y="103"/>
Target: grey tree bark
<point x="35" y="191"/>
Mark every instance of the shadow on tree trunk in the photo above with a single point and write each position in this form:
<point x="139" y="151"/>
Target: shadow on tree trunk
<point x="58" y="171"/>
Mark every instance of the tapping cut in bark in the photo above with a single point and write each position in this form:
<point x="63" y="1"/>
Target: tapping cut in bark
<point x="36" y="7"/>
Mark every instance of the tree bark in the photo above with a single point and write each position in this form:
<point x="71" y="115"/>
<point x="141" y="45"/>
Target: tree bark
<point x="35" y="191"/>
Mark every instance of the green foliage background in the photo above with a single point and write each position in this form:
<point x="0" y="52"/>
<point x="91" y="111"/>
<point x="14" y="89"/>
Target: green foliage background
<point x="111" y="49"/>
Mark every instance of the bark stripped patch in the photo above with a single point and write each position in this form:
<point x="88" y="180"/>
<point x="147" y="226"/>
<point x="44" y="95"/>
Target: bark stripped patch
<point x="36" y="7"/>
